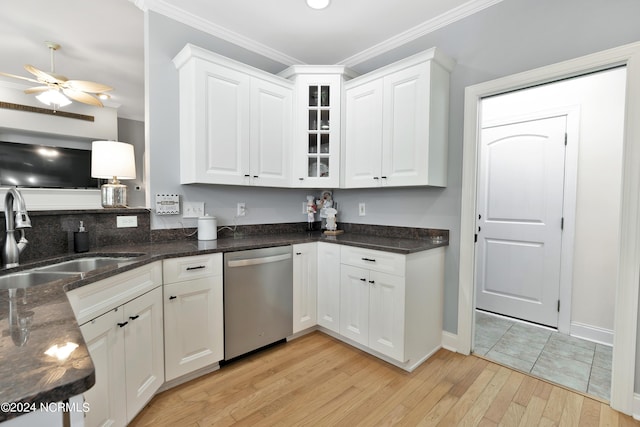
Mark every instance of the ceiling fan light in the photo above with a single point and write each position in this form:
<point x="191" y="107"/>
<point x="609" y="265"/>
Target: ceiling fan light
<point x="318" y="4"/>
<point x="53" y="97"/>
<point x="104" y="96"/>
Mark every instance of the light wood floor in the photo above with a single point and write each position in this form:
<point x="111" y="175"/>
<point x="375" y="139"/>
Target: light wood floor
<point x="316" y="380"/>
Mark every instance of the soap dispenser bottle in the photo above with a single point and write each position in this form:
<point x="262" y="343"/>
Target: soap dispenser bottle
<point x="81" y="239"/>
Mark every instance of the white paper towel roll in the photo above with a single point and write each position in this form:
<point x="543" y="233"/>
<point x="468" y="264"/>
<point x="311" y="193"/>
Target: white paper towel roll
<point x="207" y="228"/>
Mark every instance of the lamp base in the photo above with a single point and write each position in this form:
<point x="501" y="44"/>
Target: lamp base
<point x="114" y="195"/>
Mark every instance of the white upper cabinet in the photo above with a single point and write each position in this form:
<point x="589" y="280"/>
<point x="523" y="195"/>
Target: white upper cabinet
<point x="235" y="122"/>
<point x="317" y="124"/>
<point x="396" y="124"/>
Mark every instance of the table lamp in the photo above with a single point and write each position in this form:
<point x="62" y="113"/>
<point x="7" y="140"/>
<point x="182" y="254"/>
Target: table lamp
<point x="113" y="160"/>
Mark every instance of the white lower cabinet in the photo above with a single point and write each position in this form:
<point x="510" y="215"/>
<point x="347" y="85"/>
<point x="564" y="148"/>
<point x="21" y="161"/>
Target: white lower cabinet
<point x="193" y="314"/>
<point x="121" y="322"/>
<point x="126" y="347"/>
<point x="305" y="281"/>
<point x="329" y="286"/>
<point x="392" y="303"/>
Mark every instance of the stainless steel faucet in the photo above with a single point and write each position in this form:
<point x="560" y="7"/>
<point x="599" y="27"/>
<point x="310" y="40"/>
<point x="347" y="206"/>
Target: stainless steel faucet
<point x="11" y="250"/>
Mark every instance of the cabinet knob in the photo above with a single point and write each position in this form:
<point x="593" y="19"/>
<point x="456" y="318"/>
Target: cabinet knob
<point x="123" y="324"/>
<point x="173" y="297"/>
<point x="134" y="317"/>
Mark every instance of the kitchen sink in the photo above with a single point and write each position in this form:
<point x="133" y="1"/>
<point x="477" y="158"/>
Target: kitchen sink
<point x="27" y="279"/>
<point x="83" y="265"/>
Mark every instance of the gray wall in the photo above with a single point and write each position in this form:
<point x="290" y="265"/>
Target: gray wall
<point x="509" y="37"/>
<point x="132" y="131"/>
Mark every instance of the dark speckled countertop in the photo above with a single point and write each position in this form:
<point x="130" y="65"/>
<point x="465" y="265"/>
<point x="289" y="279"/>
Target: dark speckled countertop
<point x="28" y="375"/>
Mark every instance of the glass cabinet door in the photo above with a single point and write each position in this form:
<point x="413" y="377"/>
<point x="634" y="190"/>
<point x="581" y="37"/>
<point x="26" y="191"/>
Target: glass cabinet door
<point x="319" y="131"/>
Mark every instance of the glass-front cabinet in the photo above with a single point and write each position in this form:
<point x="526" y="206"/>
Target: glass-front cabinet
<point x="316" y="144"/>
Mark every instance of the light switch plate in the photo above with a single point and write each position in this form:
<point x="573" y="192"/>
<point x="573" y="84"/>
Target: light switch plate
<point x="126" y="221"/>
<point x="192" y="209"/>
<point x="362" y="211"/>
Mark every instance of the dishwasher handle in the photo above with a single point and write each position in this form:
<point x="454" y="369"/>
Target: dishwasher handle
<point x="256" y="261"/>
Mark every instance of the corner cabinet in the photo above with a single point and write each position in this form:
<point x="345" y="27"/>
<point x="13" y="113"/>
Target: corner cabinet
<point x="397" y="124"/>
<point x="235" y="122"/>
<point x="317" y="124"/>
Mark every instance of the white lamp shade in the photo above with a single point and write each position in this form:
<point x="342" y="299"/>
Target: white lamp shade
<point x="53" y="97"/>
<point x="112" y="158"/>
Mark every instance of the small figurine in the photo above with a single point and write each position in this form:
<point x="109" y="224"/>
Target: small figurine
<point x="311" y="212"/>
<point x="331" y="219"/>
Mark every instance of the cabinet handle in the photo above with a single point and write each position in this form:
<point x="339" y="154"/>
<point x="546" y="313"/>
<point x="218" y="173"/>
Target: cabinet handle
<point x="384" y="177"/>
<point x="369" y="259"/>
<point x="256" y="176"/>
<point x="123" y="324"/>
<point x="372" y="281"/>
<point x="375" y="177"/>
<point x="300" y="179"/>
<point x="196" y="268"/>
<point x="363" y="279"/>
<point x="246" y="175"/>
<point x="298" y="253"/>
<point x="134" y="317"/>
<point x="173" y="297"/>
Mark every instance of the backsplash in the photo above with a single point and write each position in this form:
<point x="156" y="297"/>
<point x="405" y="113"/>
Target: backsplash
<point x="51" y="234"/>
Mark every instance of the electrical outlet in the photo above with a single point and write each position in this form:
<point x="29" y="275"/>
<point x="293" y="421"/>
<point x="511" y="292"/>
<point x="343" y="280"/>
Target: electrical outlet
<point x="241" y="209"/>
<point x="192" y="209"/>
<point x="362" y="211"/>
<point x="126" y="221"/>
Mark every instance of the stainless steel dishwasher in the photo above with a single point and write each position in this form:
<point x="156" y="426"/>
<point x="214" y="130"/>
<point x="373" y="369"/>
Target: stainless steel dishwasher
<point x="258" y="299"/>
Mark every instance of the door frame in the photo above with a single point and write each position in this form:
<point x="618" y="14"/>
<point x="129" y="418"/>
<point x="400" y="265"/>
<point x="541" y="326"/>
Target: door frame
<point x="626" y="313"/>
<point x="572" y="114"/>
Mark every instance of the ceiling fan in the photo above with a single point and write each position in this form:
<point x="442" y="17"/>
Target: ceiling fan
<point x="55" y="86"/>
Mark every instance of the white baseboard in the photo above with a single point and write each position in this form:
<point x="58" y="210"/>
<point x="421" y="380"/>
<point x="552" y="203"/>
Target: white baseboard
<point x="449" y="341"/>
<point x="591" y="333"/>
<point x="636" y="406"/>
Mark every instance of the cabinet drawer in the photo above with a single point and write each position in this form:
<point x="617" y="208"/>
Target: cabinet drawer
<point x="91" y="301"/>
<point x="386" y="262"/>
<point x="193" y="267"/>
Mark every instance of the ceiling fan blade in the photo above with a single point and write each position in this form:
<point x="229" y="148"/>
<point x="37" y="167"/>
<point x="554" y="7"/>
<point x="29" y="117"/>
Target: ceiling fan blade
<point x="85" y="98"/>
<point x="45" y="77"/>
<point x="86" y="86"/>
<point x="37" y="89"/>
<point x="19" y="77"/>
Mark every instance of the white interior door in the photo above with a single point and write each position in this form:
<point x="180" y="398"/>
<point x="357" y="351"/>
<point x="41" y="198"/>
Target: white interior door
<point x="520" y="198"/>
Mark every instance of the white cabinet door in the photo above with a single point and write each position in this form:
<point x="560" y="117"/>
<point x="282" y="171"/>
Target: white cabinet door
<point x="214" y="140"/>
<point x="271" y="130"/>
<point x="144" y="349"/>
<point x="193" y="325"/>
<point x="329" y="286"/>
<point x="363" y="142"/>
<point x="354" y="303"/>
<point x="405" y="148"/>
<point x="305" y="281"/>
<point x="387" y="314"/>
<point x="107" y="398"/>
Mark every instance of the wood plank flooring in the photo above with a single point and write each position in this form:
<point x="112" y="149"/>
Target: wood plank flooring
<point x="316" y="380"/>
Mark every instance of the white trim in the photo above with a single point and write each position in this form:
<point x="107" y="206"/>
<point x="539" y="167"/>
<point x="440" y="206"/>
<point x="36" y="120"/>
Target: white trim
<point x="636" y="406"/>
<point x="198" y="22"/>
<point x="51" y="199"/>
<point x="626" y="312"/>
<point x="592" y="333"/>
<point x="449" y="341"/>
<point x="420" y="30"/>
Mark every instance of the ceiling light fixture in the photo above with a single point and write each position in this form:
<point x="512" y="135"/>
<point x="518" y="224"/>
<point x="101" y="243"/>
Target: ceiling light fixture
<point x="53" y="97"/>
<point x="318" y="4"/>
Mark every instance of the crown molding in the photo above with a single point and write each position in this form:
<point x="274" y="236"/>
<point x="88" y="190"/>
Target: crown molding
<point x="449" y="17"/>
<point x="197" y="22"/>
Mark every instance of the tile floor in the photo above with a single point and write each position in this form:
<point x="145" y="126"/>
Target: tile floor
<point x="572" y="362"/>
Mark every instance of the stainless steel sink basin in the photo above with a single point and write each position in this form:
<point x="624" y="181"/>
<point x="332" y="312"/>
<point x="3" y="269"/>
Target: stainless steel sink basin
<point x="82" y="265"/>
<point x="27" y="279"/>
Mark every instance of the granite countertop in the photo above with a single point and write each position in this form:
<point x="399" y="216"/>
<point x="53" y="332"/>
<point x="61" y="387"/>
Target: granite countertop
<point x="33" y="320"/>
